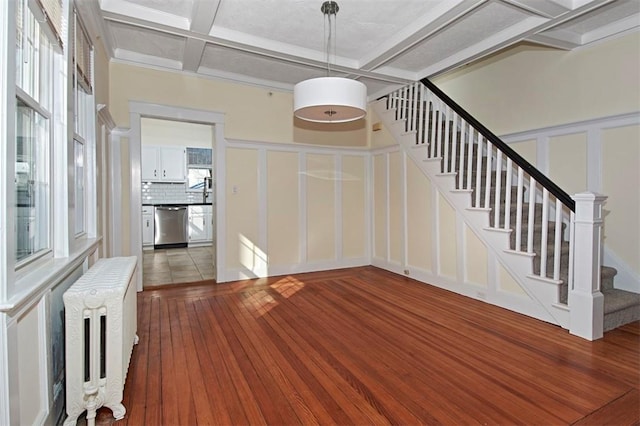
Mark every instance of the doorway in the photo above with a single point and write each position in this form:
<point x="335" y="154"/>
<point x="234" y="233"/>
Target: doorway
<point x="214" y="268"/>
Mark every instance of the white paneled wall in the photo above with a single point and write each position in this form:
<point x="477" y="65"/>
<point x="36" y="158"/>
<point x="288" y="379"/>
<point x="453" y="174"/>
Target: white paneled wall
<point x="418" y="233"/>
<point x="295" y="208"/>
<point x="604" y="157"/>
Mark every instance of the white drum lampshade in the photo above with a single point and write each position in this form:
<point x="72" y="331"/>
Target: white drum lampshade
<point x="330" y="100"/>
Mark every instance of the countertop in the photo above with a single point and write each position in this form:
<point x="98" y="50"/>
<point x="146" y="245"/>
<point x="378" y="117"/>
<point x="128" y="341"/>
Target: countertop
<point x="175" y="204"/>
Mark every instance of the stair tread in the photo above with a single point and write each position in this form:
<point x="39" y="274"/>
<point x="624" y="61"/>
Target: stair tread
<point x="616" y="300"/>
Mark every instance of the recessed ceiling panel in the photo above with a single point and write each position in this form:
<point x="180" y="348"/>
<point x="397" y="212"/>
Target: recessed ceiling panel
<point x="256" y="66"/>
<point x="361" y="25"/>
<point x="147" y="42"/>
<point x="181" y="8"/>
<point x="473" y="28"/>
<point x="601" y="17"/>
<point x="374" y="86"/>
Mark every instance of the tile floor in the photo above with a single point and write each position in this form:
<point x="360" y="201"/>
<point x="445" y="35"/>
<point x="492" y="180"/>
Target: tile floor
<point x="181" y="265"/>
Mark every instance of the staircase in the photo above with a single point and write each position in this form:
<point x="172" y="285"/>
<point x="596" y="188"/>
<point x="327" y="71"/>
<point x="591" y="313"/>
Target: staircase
<point x="528" y="221"/>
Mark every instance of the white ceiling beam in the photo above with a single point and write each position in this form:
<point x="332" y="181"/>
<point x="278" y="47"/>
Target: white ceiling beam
<point x="125" y="8"/>
<point x="135" y="57"/>
<point x="204" y="14"/>
<point x="628" y="24"/>
<point x="545" y="8"/>
<point x="193" y="51"/>
<point x="551" y="41"/>
<point x="444" y="14"/>
<point x="485" y="47"/>
<point x="316" y="61"/>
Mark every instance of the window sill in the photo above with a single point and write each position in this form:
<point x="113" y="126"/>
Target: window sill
<point x="33" y="284"/>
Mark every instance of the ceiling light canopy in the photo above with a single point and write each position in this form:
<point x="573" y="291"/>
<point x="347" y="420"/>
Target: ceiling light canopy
<point x="330" y="99"/>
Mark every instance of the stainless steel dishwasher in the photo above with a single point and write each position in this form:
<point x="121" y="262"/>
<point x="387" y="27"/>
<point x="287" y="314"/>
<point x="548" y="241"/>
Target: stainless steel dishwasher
<point x="171" y="226"/>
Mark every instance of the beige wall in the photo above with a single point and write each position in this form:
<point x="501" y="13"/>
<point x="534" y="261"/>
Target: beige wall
<point x="419" y="218"/>
<point x="475" y="259"/>
<point x="321" y="208"/>
<point x="380" y="205"/>
<point x="621" y="183"/>
<point x="395" y="207"/>
<point x="568" y="162"/>
<point x="447" y="239"/>
<point x="529" y="87"/>
<point x="243" y="249"/>
<point x="283" y="208"/>
<point x="354" y="195"/>
<point x="251" y="113"/>
<point x="175" y="133"/>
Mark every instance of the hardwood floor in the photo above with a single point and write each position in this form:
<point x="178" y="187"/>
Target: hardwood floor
<point x="364" y="346"/>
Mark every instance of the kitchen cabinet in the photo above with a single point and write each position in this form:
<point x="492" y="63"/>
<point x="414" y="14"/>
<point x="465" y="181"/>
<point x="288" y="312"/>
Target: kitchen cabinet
<point x="163" y="164"/>
<point x="200" y="224"/>
<point x="148" y="234"/>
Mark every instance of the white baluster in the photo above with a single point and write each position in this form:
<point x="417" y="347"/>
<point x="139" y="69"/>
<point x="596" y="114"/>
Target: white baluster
<point x="532" y="212"/>
<point x="519" y="209"/>
<point x="557" y="244"/>
<point x="544" y="233"/>
<point x="478" y="169"/>
<point x="487" y="188"/>
<point x="469" y="156"/>
<point x="498" y="198"/>
<point x="454" y="141"/>
<point x="421" y="117"/>
<point x="439" y="128"/>
<point x="507" y="195"/>
<point x="434" y="125"/>
<point x="461" y="163"/>
<point x="446" y="141"/>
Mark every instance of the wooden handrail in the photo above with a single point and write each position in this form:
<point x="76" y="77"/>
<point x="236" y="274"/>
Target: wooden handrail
<point x="502" y="146"/>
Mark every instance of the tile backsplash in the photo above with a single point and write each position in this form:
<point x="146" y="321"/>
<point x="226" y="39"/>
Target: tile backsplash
<point x="169" y="193"/>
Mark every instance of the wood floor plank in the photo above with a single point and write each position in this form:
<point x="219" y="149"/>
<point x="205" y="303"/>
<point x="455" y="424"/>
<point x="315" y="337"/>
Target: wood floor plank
<point x="524" y="369"/>
<point x="168" y="397"/>
<point x="254" y="370"/>
<point x="181" y="379"/>
<point x="365" y="346"/>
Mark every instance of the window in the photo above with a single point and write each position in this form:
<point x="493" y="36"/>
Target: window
<point x="32" y="180"/>
<point x="80" y="185"/>
<point x="83" y="122"/>
<point x="199" y="169"/>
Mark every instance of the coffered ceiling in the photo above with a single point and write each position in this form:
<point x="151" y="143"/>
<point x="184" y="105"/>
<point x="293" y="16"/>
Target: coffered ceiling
<point x="383" y="43"/>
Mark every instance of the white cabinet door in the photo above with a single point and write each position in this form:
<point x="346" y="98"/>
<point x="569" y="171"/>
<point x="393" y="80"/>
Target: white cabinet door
<point x="197" y="228"/>
<point x="150" y="163"/>
<point x="173" y="162"/>
<point x="200" y="228"/>
<point x="163" y="164"/>
<point x="147" y="230"/>
<point x="209" y="219"/>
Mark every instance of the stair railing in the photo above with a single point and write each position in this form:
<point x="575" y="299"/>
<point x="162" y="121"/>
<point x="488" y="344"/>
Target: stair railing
<point x="487" y="167"/>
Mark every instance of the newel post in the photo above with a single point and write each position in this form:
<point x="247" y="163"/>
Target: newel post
<point x="585" y="299"/>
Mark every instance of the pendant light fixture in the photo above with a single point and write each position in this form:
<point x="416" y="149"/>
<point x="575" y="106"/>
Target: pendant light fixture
<point x="330" y="99"/>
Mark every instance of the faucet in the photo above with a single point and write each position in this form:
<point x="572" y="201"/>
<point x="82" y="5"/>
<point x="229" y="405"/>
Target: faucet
<point x="205" y="188"/>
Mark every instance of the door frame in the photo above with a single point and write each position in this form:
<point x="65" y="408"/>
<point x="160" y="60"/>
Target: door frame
<point x="138" y="110"/>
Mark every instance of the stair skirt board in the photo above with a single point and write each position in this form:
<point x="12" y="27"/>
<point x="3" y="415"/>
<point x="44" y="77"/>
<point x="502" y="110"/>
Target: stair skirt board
<point x="512" y="302"/>
<point x="544" y="293"/>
